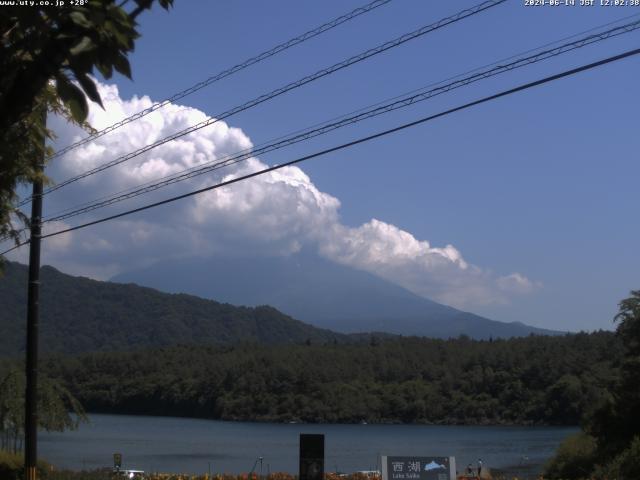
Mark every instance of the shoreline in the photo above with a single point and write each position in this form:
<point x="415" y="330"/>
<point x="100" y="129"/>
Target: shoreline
<point x="297" y="421"/>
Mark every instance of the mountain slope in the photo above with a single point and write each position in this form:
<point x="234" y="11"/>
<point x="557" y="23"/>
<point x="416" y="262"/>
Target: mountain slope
<point x="82" y="315"/>
<point x="322" y="293"/>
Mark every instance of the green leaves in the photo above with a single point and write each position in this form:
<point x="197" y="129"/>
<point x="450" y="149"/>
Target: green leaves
<point x="105" y="69"/>
<point x="122" y="65"/>
<point x="73" y="97"/>
<point x="41" y="44"/>
<point x="79" y="19"/>
<point x="85" y="45"/>
<point x="55" y="404"/>
<point x="90" y="89"/>
<point x="629" y="326"/>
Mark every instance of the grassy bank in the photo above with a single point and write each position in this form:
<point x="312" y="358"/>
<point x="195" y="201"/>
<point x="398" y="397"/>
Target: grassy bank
<point x="11" y="468"/>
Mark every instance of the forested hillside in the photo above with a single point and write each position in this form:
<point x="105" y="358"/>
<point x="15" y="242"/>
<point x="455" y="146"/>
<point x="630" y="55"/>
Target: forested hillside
<point x="83" y="315"/>
<point x="533" y="380"/>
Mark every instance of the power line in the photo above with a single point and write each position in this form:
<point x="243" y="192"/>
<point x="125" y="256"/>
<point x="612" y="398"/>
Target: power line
<point x="378" y="109"/>
<point x="344" y="120"/>
<point x="343" y="146"/>
<point x="343" y="116"/>
<point x="291" y="86"/>
<point x="230" y="71"/>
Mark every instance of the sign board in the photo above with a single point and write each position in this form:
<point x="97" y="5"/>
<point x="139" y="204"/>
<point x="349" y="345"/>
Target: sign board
<point x="418" y="468"/>
<point x="117" y="461"/>
<point x="311" y="457"/>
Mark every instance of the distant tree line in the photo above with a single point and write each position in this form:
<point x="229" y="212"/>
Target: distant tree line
<point x="533" y="380"/>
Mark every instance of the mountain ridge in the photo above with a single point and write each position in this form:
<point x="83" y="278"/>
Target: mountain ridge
<point x="322" y="293"/>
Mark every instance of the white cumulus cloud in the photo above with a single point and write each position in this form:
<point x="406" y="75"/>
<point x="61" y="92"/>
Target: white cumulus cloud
<point x="276" y="213"/>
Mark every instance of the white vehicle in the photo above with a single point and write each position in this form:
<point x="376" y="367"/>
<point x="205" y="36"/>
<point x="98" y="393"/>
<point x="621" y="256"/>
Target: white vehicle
<point x="129" y="474"/>
<point x="371" y="473"/>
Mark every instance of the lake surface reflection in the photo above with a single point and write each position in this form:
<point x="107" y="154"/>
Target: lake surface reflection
<point x="167" y="444"/>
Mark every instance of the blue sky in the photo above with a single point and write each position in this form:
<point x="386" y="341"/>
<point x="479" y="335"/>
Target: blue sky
<point x="542" y="183"/>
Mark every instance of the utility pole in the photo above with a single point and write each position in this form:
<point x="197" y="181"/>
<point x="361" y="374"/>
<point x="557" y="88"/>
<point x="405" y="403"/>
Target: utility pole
<point x="31" y="394"/>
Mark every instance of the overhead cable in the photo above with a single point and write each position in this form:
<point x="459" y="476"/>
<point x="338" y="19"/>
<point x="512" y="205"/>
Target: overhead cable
<point x="378" y="109"/>
<point x="291" y="86"/>
<point x="343" y="146"/>
<point x="228" y="72"/>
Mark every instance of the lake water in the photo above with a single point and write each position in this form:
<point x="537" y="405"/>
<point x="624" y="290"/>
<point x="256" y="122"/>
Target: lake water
<point x="168" y="444"/>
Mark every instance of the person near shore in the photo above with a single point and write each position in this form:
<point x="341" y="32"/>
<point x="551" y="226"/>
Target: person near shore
<point x="479" y="466"/>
